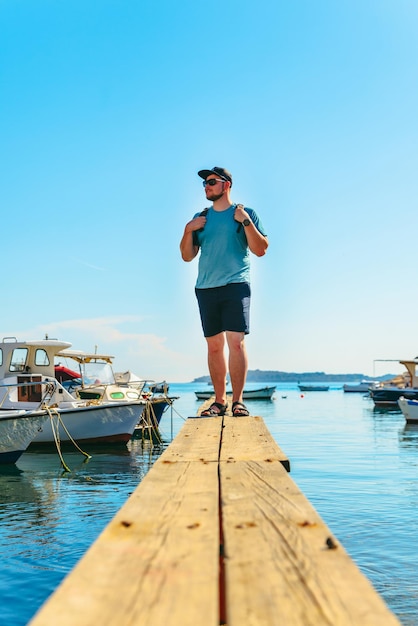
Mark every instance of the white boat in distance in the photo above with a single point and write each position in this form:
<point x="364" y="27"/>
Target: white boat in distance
<point x="313" y="387"/>
<point x="28" y="384"/>
<point x="362" y="387"/>
<point x="264" y="393"/>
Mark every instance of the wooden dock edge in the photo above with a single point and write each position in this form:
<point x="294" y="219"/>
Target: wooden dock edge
<point x="217" y="533"/>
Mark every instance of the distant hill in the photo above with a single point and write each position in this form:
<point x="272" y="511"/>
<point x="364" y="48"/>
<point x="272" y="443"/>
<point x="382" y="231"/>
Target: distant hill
<point x="274" y="376"/>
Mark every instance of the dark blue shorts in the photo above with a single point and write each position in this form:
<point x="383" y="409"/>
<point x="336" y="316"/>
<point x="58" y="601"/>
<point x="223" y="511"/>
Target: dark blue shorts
<point x="225" y="308"/>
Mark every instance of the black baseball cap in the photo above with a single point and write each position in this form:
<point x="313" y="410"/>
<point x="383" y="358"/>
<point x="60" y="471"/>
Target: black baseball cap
<point x="218" y="171"/>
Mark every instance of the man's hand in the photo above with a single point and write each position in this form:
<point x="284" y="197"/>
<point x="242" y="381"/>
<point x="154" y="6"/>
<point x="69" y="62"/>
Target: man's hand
<point x="240" y="214"/>
<point x="195" y="224"/>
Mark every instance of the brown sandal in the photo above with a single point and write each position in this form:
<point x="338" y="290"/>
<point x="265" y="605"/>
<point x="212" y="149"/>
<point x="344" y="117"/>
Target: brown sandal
<point x="239" y="410"/>
<point x="212" y="412"/>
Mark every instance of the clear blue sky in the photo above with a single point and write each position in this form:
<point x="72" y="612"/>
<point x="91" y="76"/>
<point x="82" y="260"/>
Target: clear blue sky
<point x="109" y="107"/>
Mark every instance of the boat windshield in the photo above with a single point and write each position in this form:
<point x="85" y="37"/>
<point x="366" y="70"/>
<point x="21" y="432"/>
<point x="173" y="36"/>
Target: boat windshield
<point x="95" y="373"/>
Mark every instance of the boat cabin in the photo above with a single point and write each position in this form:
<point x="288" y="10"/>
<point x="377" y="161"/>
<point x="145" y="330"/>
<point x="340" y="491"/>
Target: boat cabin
<point x="24" y="365"/>
<point x="96" y="379"/>
<point x="93" y="368"/>
<point x="411" y="367"/>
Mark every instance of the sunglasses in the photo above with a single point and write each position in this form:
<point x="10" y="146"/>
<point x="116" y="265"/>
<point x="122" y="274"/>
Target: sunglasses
<point x="212" y="182"/>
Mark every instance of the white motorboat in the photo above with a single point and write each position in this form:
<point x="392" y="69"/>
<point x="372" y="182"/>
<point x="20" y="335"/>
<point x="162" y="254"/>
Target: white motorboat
<point x="361" y="387"/>
<point x="130" y="379"/>
<point x="18" y="428"/>
<point x="409" y="409"/>
<point x="96" y="381"/>
<point x="147" y="386"/>
<point x="86" y="423"/>
<point x="28" y="383"/>
<point x="264" y="393"/>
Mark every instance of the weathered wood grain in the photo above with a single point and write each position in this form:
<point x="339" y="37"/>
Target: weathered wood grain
<point x="282" y="564"/>
<point x="198" y="439"/>
<point x="248" y="438"/>
<point x="221" y="488"/>
<point x="157" y="562"/>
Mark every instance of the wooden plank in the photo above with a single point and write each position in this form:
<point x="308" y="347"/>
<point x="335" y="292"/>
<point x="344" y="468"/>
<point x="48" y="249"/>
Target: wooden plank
<point x="278" y="566"/>
<point x="198" y="439"/>
<point x="248" y="438"/>
<point x="157" y="562"/>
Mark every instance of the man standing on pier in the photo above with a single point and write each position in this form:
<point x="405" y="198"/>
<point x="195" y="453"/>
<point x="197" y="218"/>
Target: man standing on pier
<point x="224" y="233"/>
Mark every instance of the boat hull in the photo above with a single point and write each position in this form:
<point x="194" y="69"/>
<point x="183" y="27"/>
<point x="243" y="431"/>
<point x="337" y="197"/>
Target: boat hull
<point x="17" y="431"/>
<point x="264" y="393"/>
<point x="387" y="397"/>
<point x="313" y="387"/>
<point x="112" y="423"/>
<point x="154" y="410"/>
<point x="409" y="409"/>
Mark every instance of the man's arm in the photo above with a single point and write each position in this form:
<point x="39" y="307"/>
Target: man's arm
<point x="187" y="248"/>
<point x="257" y="242"/>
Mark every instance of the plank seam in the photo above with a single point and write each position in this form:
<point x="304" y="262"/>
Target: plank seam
<point x="222" y="576"/>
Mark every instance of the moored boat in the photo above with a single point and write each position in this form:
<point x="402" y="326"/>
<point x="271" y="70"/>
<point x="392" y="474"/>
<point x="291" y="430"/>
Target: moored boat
<point x="263" y="393"/>
<point x="361" y="387"/>
<point x="409" y="409"/>
<point x="313" y="387"/>
<point x="387" y="397"/>
<point x="387" y="394"/>
<point x="28" y="383"/>
<point x="162" y="387"/>
<point x="18" y="428"/>
<point x="96" y="381"/>
<point x="129" y="379"/>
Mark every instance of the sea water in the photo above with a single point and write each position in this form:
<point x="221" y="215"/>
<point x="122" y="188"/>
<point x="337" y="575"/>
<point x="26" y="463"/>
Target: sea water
<point x="356" y="465"/>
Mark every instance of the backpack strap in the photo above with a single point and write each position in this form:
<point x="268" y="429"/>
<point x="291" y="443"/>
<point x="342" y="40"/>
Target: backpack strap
<point x="241" y="206"/>
<point x="203" y="214"/>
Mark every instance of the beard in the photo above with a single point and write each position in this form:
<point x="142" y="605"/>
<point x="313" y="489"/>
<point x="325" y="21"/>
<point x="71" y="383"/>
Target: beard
<point x="215" y="196"/>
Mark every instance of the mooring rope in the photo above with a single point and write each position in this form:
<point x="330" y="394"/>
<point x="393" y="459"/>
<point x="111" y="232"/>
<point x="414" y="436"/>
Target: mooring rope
<point x="52" y="411"/>
<point x="150" y="424"/>
<point x="155" y="424"/>
<point x="170" y="402"/>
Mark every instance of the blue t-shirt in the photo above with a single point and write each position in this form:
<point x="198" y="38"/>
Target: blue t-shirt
<point x="224" y="253"/>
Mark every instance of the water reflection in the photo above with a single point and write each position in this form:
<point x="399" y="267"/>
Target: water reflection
<point x="408" y="437"/>
<point x="15" y="487"/>
<point x="49" y="518"/>
<point x="356" y="464"/>
<point x="385" y="410"/>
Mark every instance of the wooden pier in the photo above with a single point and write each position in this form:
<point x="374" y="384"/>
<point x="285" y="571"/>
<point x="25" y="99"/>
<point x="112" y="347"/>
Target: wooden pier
<point x="217" y="533"/>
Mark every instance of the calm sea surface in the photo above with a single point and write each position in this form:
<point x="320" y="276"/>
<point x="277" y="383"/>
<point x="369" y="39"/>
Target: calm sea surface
<point x="356" y="465"/>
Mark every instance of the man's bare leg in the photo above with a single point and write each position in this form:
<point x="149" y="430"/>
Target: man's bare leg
<point x="238" y="363"/>
<point x="217" y="365"/>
